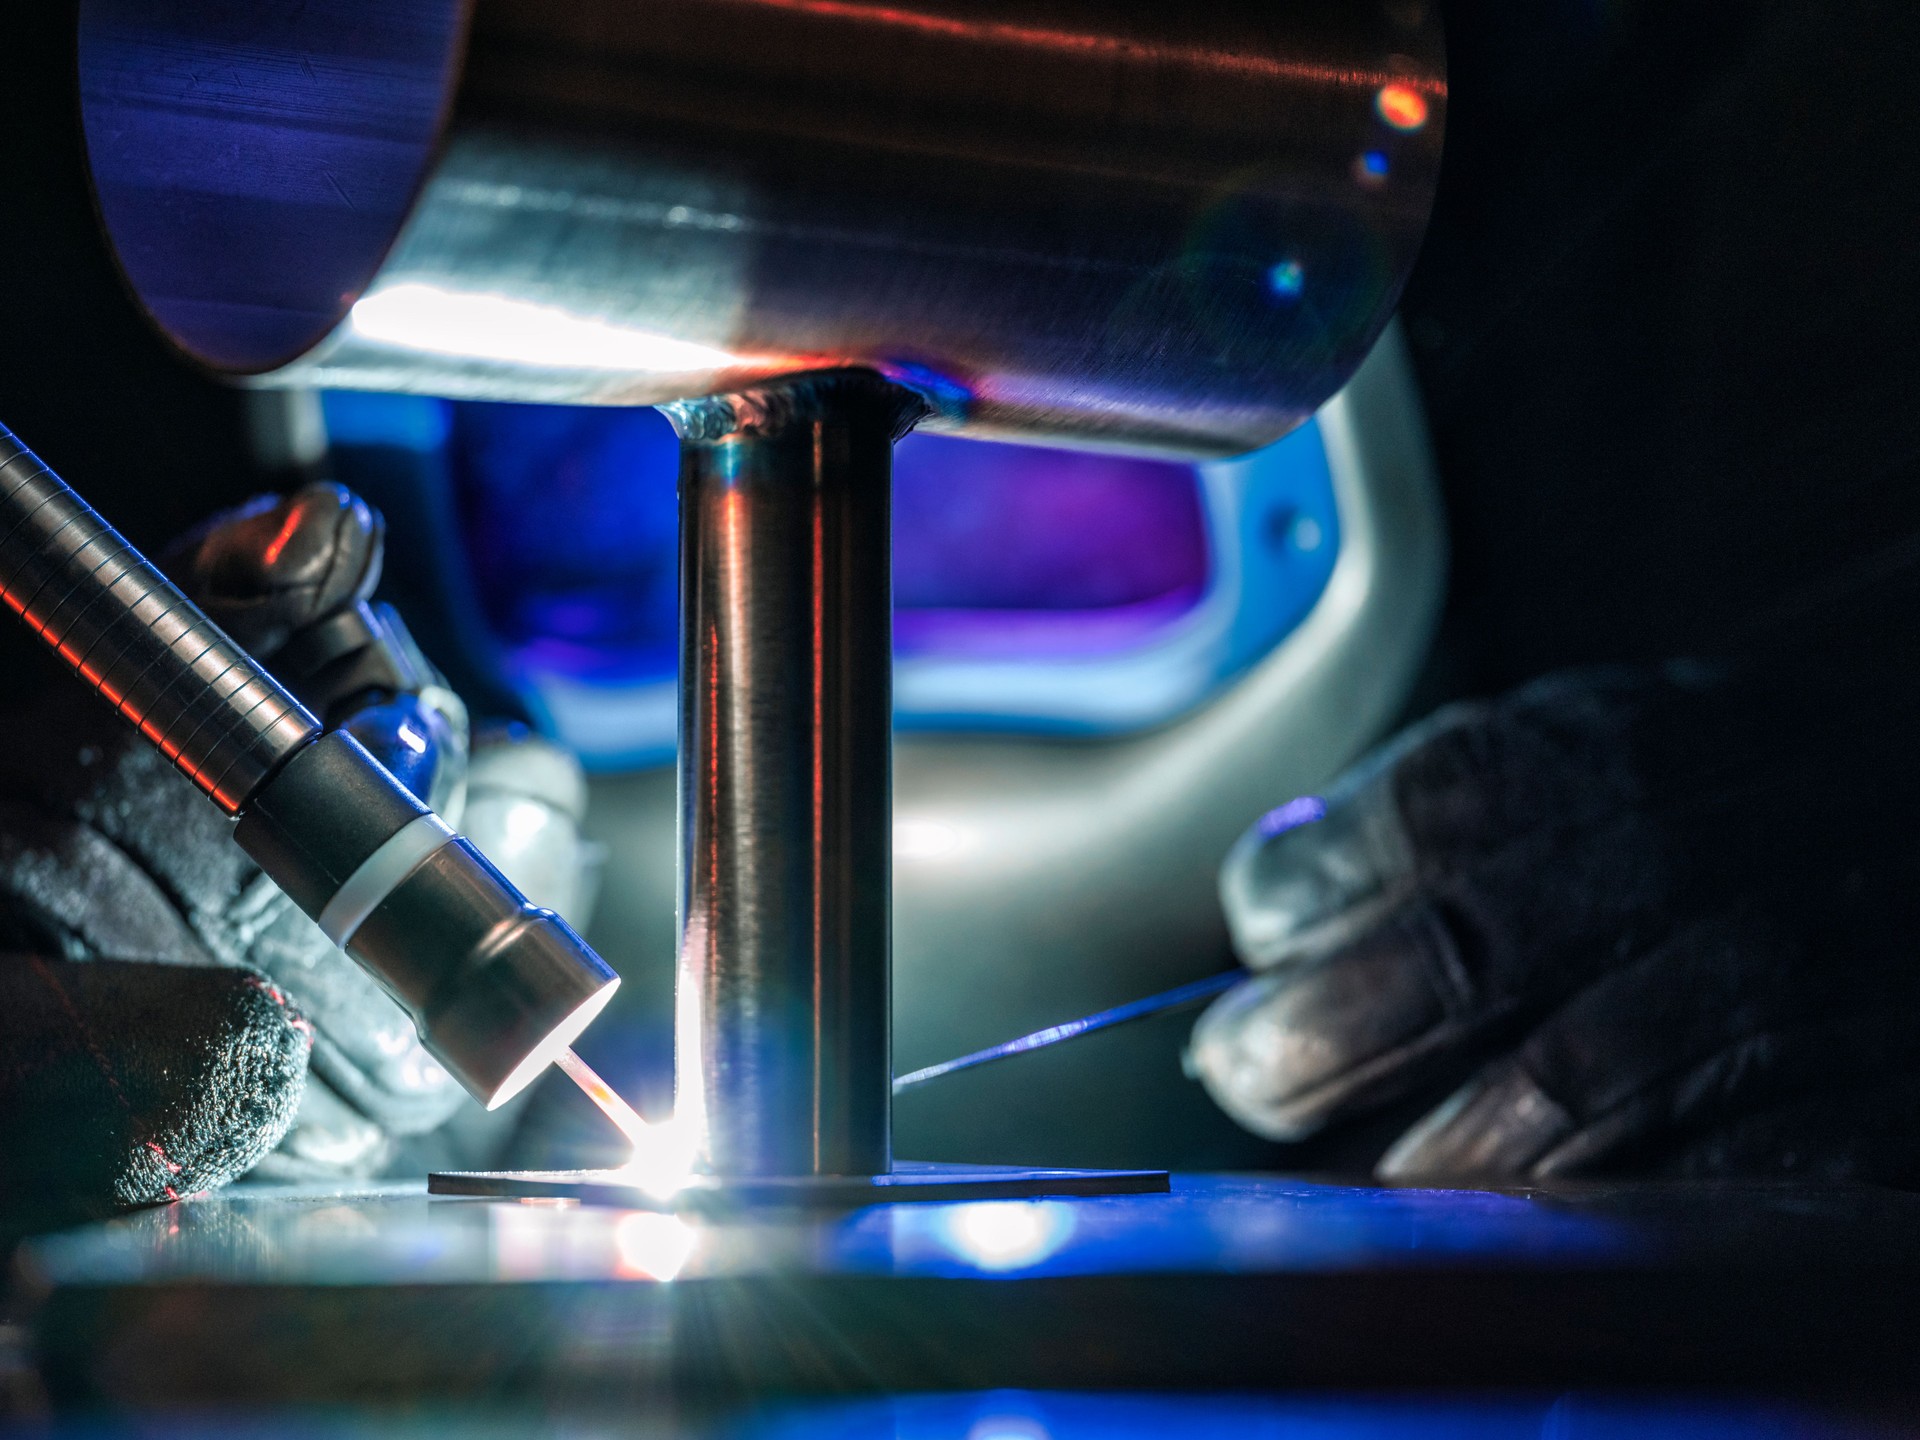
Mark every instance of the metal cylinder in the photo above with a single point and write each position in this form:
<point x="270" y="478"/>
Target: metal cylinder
<point x="496" y="986"/>
<point x="124" y="629"/>
<point x="783" y="1057"/>
<point x="1175" y="227"/>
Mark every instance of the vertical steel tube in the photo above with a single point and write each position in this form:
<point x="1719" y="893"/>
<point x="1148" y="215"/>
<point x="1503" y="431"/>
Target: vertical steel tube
<point x="782" y="1030"/>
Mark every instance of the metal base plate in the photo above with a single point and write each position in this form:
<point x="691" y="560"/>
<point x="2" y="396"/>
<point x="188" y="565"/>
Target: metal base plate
<point x="709" y="1194"/>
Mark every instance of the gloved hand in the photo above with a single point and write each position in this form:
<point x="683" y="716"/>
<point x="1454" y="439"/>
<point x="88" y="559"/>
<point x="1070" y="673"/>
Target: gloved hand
<point x="167" y="1017"/>
<point x="1654" y="921"/>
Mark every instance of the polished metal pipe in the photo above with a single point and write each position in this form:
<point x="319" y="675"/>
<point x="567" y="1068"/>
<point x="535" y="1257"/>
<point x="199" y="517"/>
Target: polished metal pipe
<point x="783" y="1058"/>
<point x="1176" y="227"/>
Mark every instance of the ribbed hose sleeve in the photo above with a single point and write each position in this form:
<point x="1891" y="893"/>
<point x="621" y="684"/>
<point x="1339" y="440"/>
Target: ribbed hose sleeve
<point x="129" y="633"/>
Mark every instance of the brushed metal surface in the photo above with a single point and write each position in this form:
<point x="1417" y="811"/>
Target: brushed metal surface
<point x="783" y="1057"/>
<point x="1166" y="227"/>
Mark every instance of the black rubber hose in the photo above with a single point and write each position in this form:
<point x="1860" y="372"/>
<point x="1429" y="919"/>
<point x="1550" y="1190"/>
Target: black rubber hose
<point x="125" y="629"/>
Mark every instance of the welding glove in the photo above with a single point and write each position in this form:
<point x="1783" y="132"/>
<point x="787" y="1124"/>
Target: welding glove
<point x="1655" y="921"/>
<point x="167" y="1018"/>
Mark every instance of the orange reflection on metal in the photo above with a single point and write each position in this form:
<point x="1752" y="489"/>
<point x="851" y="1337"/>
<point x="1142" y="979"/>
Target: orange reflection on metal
<point x="1102" y="47"/>
<point x="279" y="541"/>
<point x="40" y="625"/>
<point x="1401" y="106"/>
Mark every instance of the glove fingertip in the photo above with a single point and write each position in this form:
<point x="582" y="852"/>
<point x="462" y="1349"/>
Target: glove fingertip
<point x="1498" y="1125"/>
<point x="125" y="1083"/>
<point x="236" y="1102"/>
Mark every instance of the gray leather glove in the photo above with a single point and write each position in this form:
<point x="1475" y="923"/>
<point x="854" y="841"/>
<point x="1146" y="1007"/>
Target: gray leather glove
<point x="1655" y="921"/>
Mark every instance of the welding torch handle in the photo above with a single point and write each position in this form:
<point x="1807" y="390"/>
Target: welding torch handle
<point x="127" y="631"/>
<point x="495" y="985"/>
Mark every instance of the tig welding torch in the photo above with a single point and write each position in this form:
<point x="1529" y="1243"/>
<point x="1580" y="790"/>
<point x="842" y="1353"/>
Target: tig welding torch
<point x="497" y="987"/>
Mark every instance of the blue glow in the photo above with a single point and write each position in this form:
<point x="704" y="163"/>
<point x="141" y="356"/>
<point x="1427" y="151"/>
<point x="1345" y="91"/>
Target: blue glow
<point x="359" y="420"/>
<point x="1062" y="1415"/>
<point x="1003" y="1236"/>
<point x="570" y="521"/>
<point x="947" y="395"/>
<point x="1031" y="1415"/>
<point x="1292" y="815"/>
<point x="254" y="163"/>
<point x="1287" y="279"/>
<point x="1374" y="164"/>
<point x="1038" y="591"/>
<point x="1236" y="1224"/>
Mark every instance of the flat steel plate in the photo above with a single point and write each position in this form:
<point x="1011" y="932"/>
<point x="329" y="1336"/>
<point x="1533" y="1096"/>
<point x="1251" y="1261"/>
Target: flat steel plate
<point x="708" y="1195"/>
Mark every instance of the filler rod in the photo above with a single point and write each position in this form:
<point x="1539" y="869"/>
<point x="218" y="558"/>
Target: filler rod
<point x="1192" y="993"/>
<point x="623" y="1115"/>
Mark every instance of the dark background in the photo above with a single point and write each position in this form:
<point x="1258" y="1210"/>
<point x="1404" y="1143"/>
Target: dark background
<point x="1667" y="324"/>
<point x="1666" y="321"/>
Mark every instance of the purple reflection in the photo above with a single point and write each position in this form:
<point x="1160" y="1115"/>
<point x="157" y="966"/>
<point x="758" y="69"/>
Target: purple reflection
<point x="1292" y="815"/>
<point x="999" y="550"/>
<point x="254" y="161"/>
<point x="1013" y="550"/>
<point x="570" y="521"/>
<point x="1015" y="527"/>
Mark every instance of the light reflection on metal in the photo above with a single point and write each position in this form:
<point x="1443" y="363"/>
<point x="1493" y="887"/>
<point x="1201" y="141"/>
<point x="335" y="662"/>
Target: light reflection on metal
<point x="652" y="1245"/>
<point x="999" y="1235"/>
<point x="1051" y="221"/>
<point x="781" y="1039"/>
<point x="1083" y="45"/>
<point x="516" y="332"/>
<point x="1401" y="106"/>
<point x="1076" y="245"/>
<point x="909" y="1185"/>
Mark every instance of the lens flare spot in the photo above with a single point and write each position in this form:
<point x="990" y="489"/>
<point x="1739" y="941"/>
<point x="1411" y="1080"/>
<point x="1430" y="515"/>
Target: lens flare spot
<point x="924" y="839"/>
<point x="1371" y="168"/>
<point x="1401" y="106"/>
<point x="1287" y="279"/>
<point x="1007" y="1234"/>
<point x="1009" y="1427"/>
<point x="653" y="1247"/>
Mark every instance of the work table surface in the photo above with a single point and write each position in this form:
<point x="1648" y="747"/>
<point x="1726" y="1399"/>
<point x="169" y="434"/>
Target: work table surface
<point x="1228" y="1281"/>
